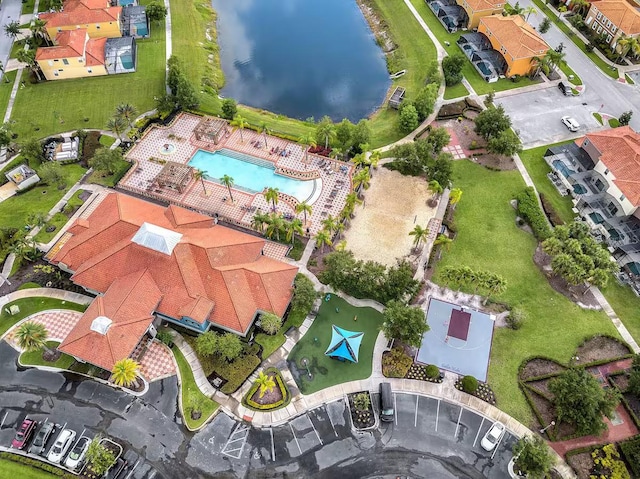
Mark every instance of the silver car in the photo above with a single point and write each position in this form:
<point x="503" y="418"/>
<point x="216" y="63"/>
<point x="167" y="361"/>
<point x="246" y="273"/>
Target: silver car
<point x="570" y="123"/>
<point x="61" y="446"/>
<point x="76" y="456"/>
<point x="493" y="436"/>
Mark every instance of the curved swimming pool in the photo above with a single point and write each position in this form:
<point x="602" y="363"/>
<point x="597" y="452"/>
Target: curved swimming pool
<point x="250" y="173"/>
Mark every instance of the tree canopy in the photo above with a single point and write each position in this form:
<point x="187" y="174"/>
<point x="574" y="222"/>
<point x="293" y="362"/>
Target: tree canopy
<point x="533" y="457"/>
<point x="405" y="323"/>
<point x="409" y="119"/>
<point x="491" y="122"/>
<point x="53" y="174"/>
<point x="452" y="68"/>
<point x="106" y="159"/>
<point x="424" y="156"/>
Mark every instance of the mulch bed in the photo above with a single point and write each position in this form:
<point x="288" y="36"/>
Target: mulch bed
<point x="316" y="261"/>
<point x="581" y="464"/>
<point x="418" y="372"/>
<point x="544" y="407"/>
<point x="26" y="274"/>
<point x="483" y="392"/>
<point x="361" y="419"/>
<point x="634" y="403"/>
<point x="600" y="348"/>
<point x="541" y="386"/>
<point x="270" y="397"/>
<point x="540" y="367"/>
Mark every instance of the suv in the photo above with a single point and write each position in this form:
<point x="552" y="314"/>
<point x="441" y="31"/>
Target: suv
<point x="40" y="442"/>
<point x="61" y="446"/>
<point x="386" y="403"/>
<point x="566" y="91"/>
<point x="23" y="434"/>
<point x="570" y="123"/>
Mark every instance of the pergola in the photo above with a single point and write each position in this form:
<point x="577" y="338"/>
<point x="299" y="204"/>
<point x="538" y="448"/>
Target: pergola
<point x="210" y="129"/>
<point x="175" y="176"/>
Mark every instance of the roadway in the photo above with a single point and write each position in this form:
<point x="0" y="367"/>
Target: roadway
<point x="9" y="11"/>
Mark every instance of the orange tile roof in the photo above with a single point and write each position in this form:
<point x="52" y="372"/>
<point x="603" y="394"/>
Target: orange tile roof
<point x="214" y="273"/>
<point x="70" y="44"/>
<point x="481" y="5"/>
<point x="620" y="152"/>
<point x="129" y="303"/>
<point x="519" y="38"/>
<point x="95" y="51"/>
<point x="622" y="14"/>
<point x="78" y="12"/>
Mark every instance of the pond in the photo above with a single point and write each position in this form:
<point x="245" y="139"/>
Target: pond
<point x="301" y="58"/>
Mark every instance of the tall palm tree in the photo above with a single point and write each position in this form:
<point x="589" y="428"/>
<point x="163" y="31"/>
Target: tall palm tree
<point x="304" y="207"/>
<point x="272" y="195"/>
<point x="227" y="181"/>
<point x="265" y="382"/>
<point x="580" y="6"/>
<point x="239" y="123"/>
<point x="265" y="130"/>
<point x="307" y="141"/>
<point x="127" y="112"/>
<point x="514" y="9"/>
<point x="323" y="238"/>
<point x="29" y="57"/>
<point x="327" y="131"/>
<point x="443" y="240"/>
<point x="362" y="179"/>
<point x="361" y="160"/>
<point x="32" y="336"/>
<point x="628" y="45"/>
<point x="292" y="228"/>
<point x="454" y="196"/>
<point x="201" y="175"/>
<point x="553" y="58"/>
<point x="352" y="200"/>
<point x="117" y="125"/>
<point x="435" y="188"/>
<point x="347" y="212"/>
<point x="374" y="158"/>
<point x="528" y="11"/>
<point x="336" y="153"/>
<point x="12" y="29"/>
<point x="419" y="234"/>
<point x="329" y="224"/>
<point x="259" y="220"/>
<point x="275" y="226"/>
<point x="125" y="372"/>
<point x="39" y="30"/>
<point x="339" y="229"/>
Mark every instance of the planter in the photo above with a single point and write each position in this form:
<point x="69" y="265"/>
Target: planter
<point x="278" y="398"/>
<point x="362" y="419"/>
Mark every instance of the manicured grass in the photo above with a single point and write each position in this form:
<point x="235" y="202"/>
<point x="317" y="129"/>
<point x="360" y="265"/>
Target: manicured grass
<point x="554" y="326"/>
<point x="598" y="117"/>
<point x="5" y="90"/>
<point x="34" y="358"/>
<point x="270" y="344"/>
<point x="58" y="220"/>
<point x="629" y="79"/>
<point x="29" y="285"/>
<point x="626" y="305"/>
<point x="27" y="6"/>
<point x="12" y="470"/>
<point x="104" y="179"/>
<point x="15" y="210"/>
<point x="480" y="86"/>
<point x="455" y="91"/>
<point x="538" y="169"/>
<point x="326" y="371"/>
<point x="15" y="48"/>
<point x="191" y="395"/>
<point x="567" y="70"/>
<point x="599" y="62"/>
<point x="106" y="140"/>
<point x="63" y="105"/>
<point x="614" y="122"/>
<point x="29" y="306"/>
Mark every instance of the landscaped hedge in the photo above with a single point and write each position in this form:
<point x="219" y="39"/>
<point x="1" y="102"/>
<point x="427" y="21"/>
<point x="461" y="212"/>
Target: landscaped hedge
<point x="286" y="396"/>
<point x="526" y="392"/>
<point x="56" y="471"/>
<point x="530" y="211"/>
<point x="631" y="452"/>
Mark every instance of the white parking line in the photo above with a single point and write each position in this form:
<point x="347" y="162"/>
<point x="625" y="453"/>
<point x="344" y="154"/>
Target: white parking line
<point x="241" y="430"/>
<point x="455" y="434"/>
<point x="415" y="421"/>
<point x="273" y="446"/>
<point x="478" y="433"/>
<point x="294" y="436"/>
<point x="314" y="429"/>
<point x="4" y="419"/>
<point x="395" y="407"/>
<point x="332" y="425"/>
<point x="495" y="449"/>
<point x="132" y="469"/>
<point x="437" y="414"/>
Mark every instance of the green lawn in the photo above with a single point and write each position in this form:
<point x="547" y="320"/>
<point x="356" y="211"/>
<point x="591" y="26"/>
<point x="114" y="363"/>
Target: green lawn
<point x="15" y="210"/>
<point x="191" y="395"/>
<point x="567" y="70"/>
<point x="65" y="105"/>
<point x="555" y="326"/>
<point x="29" y="306"/>
<point x="104" y="179"/>
<point x="13" y="470"/>
<point x="34" y="358"/>
<point x="455" y="91"/>
<point x="538" y="169"/>
<point x="326" y="371"/>
<point x="58" y="220"/>
<point x="626" y="305"/>
<point x="27" y="6"/>
<point x="271" y="343"/>
<point x="106" y="140"/>
<point x="5" y="90"/>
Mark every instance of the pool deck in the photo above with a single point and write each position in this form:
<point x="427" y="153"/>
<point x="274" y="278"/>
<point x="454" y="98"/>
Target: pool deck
<point x="180" y="134"/>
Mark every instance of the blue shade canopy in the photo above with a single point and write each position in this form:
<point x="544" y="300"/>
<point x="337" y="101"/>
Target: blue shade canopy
<point x="345" y="345"/>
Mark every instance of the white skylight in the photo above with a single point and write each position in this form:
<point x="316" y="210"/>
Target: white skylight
<point x="157" y="238"/>
<point x="101" y="325"/>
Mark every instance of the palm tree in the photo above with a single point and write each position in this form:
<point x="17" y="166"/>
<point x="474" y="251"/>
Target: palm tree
<point x="239" y="123"/>
<point x="454" y="197"/>
<point x="339" y="229"/>
<point x="200" y="175"/>
<point x="554" y="58"/>
<point x="6" y="80"/>
<point x="125" y="372"/>
<point x="117" y="125"/>
<point x="307" y="141"/>
<point x="326" y="130"/>
<point x="362" y="179"/>
<point x="292" y="228"/>
<point x="38" y="29"/>
<point x="528" y="11"/>
<point x="626" y="45"/>
<point x="259" y="220"/>
<point x="29" y="57"/>
<point x="361" y="160"/>
<point x="272" y="195"/>
<point x="341" y="246"/>
<point x="127" y="112"/>
<point x="329" y="224"/>
<point x="32" y="336"/>
<point x="12" y="29"/>
<point x="227" y="181"/>
<point x="515" y="9"/>
<point x="304" y="207"/>
<point x="435" y="188"/>
<point x="274" y="226"/>
<point x="265" y="130"/>
<point x="352" y="200"/>
<point x="374" y="158"/>
<point x="265" y="382"/>
<point x="347" y="212"/>
<point x="443" y="240"/>
<point x="580" y="6"/>
<point x="336" y="153"/>
<point x="323" y="238"/>
<point x="419" y="234"/>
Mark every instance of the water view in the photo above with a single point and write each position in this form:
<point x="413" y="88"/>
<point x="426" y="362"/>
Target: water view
<point x="301" y="58"/>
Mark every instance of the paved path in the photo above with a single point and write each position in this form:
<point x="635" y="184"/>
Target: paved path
<point x="168" y="44"/>
<point x="622" y="329"/>
<point x="48" y="292"/>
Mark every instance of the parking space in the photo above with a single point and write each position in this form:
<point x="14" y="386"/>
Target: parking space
<point x="471" y="428"/>
<point x="448" y="417"/>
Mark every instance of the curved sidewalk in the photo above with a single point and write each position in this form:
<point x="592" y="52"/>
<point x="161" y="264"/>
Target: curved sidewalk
<point x="46" y="292"/>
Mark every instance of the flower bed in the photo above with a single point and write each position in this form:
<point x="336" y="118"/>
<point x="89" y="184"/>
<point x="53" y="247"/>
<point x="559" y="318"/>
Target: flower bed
<point x="278" y="398"/>
<point x="483" y="392"/>
<point x="362" y="413"/>
<point x="420" y="372"/>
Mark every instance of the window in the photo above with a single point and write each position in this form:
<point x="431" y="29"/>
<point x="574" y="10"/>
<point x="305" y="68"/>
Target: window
<point x="609" y="37"/>
<point x="65" y="61"/>
<point x="50" y="62"/>
<point x="599" y="16"/>
<point x="55" y="72"/>
<point x="97" y="27"/>
<point x="613" y="29"/>
<point x="622" y="197"/>
<point x="599" y="28"/>
<point x="606" y="172"/>
<point x="599" y="184"/>
<point x="593" y="27"/>
<point x="586" y="142"/>
<point x="608" y="23"/>
<point x="89" y="70"/>
<point x="80" y="60"/>
<point x="612" y="209"/>
<point x="56" y="60"/>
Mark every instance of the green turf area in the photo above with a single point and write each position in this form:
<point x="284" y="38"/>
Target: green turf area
<point x="106" y="140"/>
<point x="27" y="6"/>
<point x="29" y="285"/>
<point x="63" y="105"/>
<point x="480" y="86"/>
<point x="554" y="326"/>
<point x="271" y="343"/>
<point x="598" y="117"/>
<point x="614" y="122"/>
<point x="191" y="395"/>
<point x="567" y="70"/>
<point x="34" y="358"/>
<point x="15" y="210"/>
<point x="58" y="220"/>
<point x="104" y="179"/>
<point x="13" y="470"/>
<point x="455" y="91"/>
<point x="29" y="306"/>
<point x="600" y="63"/>
<point x="5" y="90"/>
<point x="626" y="305"/>
<point x="629" y="79"/>
<point x="326" y="371"/>
<point x="538" y="169"/>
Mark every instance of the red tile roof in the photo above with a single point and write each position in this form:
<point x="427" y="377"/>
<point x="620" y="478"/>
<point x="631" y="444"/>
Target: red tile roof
<point x="622" y="14"/>
<point x="519" y="38"/>
<point x="214" y="273"/>
<point x="77" y="12"/>
<point x="129" y="303"/>
<point x="620" y="152"/>
<point x="69" y="44"/>
<point x="95" y="51"/>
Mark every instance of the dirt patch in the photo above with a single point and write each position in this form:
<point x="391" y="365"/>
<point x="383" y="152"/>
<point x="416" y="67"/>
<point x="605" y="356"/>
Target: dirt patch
<point x="621" y="381"/>
<point x="540" y="367"/>
<point x="544" y="407"/>
<point x="541" y="386"/>
<point x="634" y="403"/>
<point x="600" y="348"/>
<point x="270" y="396"/>
<point x="575" y="294"/>
<point x="495" y="162"/>
<point x="581" y="464"/>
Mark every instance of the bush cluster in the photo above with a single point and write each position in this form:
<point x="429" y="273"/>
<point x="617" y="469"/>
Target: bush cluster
<point x="607" y="463"/>
<point x="531" y="212"/>
<point x="631" y="452"/>
<point x="469" y="384"/>
<point x="37" y="464"/>
<point x="396" y="363"/>
<point x="432" y="371"/>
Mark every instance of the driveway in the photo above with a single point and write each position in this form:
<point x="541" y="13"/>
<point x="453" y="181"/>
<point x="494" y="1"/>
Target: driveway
<point x="429" y="438"/>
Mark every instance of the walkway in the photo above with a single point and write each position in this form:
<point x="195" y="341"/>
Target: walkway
<point x="622" y="329"/>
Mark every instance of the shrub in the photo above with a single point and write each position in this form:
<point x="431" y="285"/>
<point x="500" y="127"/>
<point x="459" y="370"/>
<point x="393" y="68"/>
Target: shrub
<point x="589" y="47"/>
<point x="362" y="401"/>
<point x="164" y="337"/>
<point x="469" y="384"/>
<point x="515" y="318"/>
<point x="452" y="68"/>
<point x="270" y="323"/>
<point x="280" y="384"/>
<point x="432" y="371"/>
<point x="56" y="471"/>
<point x="530" y="211"/>
<point x="631" y="452"/>
<point x="229" y="108"/>
<point x="396" y="364"/>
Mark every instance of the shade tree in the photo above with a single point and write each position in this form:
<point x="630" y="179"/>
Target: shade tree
<point x="405" y="323"/>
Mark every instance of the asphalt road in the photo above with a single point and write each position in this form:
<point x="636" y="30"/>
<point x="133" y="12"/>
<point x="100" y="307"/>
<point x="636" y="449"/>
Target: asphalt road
<point x="9" y="11"/>
<point x="429" y="438"/>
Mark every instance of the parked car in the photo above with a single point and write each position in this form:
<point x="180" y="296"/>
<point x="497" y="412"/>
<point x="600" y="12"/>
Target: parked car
<point x="570" y="123"/>
<point x="493" y="436"/>
<point x="566" y="90"/>
<point x="61" y="446"/>
<point x="40" y="442"/>
<point x="386" y="403"/>
<point x="76" y="456"/>
<point x="24" y="433"/>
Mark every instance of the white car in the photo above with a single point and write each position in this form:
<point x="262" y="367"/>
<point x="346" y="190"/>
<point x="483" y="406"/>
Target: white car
<point x="493" y="436"/>
<point x="570" y="123"/>
<point x="61" y="446"/>
<point x="77" y="453"/>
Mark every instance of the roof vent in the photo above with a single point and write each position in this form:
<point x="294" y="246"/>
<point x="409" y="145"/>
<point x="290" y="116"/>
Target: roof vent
<point x="157" y="238"/>
<point x="101" y="325"/>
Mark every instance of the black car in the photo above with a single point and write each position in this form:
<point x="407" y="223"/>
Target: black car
<point x="117" y="470"/>
<point x="566" y="91"/>
<point x="40" y="442"/>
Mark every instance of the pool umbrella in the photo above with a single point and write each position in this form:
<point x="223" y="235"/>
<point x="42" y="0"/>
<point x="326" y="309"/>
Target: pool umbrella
<point x="344" y="345"/>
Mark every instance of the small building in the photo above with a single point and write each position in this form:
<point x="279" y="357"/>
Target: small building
<point x="23" y="177"/>
<point x="476" y="9"/>
<point x="210" y="129"/>
<point x="98" y="17"/>
<point x="614" y="19"/>
<point x="396" y="97"/>
<point x="175" y="176"/>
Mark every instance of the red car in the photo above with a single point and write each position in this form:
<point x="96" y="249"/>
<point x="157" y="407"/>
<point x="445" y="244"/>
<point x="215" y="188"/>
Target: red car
<point x="23" y="434"/>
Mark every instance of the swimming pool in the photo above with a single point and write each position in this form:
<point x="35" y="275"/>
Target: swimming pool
<point x="562" y="168"/>
<point x="250" y="173"/>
